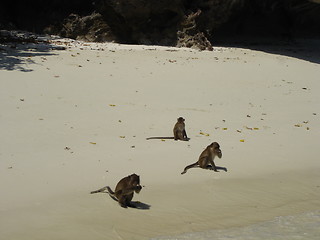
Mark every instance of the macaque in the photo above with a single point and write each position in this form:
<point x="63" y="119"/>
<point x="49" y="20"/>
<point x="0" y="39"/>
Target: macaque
<point x="179" y="131"/>
<point x="206" y="158"/>
<point x="124" y="190"/>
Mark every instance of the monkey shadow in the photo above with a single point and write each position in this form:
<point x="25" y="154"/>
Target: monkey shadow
<point x="140" y="205"/>
<point x="222" y="168"/>
<point x="135" y="204"/>
<point x="209" y="167"/>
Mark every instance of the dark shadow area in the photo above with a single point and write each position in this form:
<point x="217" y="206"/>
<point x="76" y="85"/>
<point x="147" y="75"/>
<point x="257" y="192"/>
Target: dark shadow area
<point x="222" y="168"/>
<point x="140" y="205"/>
<point x="303" y="49"/>
<point x="19" y="57"/>
<point x="16" y="52"/>
<point x="209" y="167"/>
<point x="135" y="204"/>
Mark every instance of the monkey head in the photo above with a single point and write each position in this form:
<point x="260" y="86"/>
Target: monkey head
<point x="135" y="182"/>
<point x="216" y="149"/>
<point x="181" y="120"/>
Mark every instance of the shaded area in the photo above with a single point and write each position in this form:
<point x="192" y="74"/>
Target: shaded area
<point x="18" y="48"/>
<point x="303" y="49"/>
<point x="189" y="23"/>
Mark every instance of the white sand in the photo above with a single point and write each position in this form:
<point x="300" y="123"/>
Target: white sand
<point x="76" y="120"/>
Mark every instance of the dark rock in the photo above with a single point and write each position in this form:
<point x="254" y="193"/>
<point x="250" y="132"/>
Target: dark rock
<point x="189" y="35"/>
<point x="90" y="28"/>
<point x="165" y="22"/>
<point x="143" y="22"/>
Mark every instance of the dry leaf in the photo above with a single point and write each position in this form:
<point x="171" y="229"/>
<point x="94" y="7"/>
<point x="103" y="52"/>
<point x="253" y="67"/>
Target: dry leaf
<point x="122" y="136"/>
<point x="241" y="140"/>
<point x="92" y="142"/>
<point x="205" y="134"/>
<point x="112" y="105"/>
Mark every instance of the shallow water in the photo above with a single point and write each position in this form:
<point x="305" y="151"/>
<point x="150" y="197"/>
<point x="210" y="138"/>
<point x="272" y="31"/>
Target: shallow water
<point x="299" y="227"/>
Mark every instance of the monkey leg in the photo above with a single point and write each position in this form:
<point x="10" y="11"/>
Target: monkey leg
<point x="185" y="135"/>
<point x="123" y="201"/>
<point x="213" y="166"/>
<point x="178" y="135"/>
<point x="190" y="166"/>
<point x="128" y="200"/>
<point x="209" y="167"/>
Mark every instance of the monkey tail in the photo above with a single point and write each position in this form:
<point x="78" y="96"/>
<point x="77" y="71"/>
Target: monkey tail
<point x="110" y="191"/>
<point x="159" y="138"/>
<point x="99" y="190"/>
<point x="189" y="166"/>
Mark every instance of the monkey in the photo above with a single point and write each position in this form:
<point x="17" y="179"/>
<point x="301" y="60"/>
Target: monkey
<point x="179" y="131"/>
<point x="125" y="189"/>
<point x="206" y="158"/>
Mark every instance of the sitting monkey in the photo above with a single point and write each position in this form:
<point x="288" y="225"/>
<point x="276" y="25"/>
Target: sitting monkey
<point x="179" y="131"/>
<point x="206" y="158"/>
<point x="124" y="190"/>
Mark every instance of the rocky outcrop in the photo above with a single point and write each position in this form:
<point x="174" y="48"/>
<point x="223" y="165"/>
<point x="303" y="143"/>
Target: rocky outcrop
<point x="189" y="35"/>
<point x="185" y="23"/>
<point x="90" y="28"/>
<point x="143" y="22"/>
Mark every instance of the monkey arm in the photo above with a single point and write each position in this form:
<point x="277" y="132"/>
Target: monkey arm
<point x="213" y="166"/>
<point x="129" y="190"/>
<point x="185" y="134"/>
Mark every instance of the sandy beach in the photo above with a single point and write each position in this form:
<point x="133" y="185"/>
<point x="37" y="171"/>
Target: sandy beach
<point x="75" y="120"/>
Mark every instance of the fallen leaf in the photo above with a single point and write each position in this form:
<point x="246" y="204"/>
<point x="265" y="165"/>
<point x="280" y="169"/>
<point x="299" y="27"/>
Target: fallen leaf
<point x="92" y="142"/>
<point x="205" y="134"/>
<point x="241" y="140"/>
<point x="297" y="125"/>
<point x="256" y="128"/>
<point x="112" y="105"/>
<point x="224" y="128"/>
<point x="122" y="136"/>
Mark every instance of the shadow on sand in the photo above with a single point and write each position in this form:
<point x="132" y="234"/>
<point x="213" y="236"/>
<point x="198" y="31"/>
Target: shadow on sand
<point x="303" y="49"/>
<point x="136" y="204"/>
<point x="18" y="48"/>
